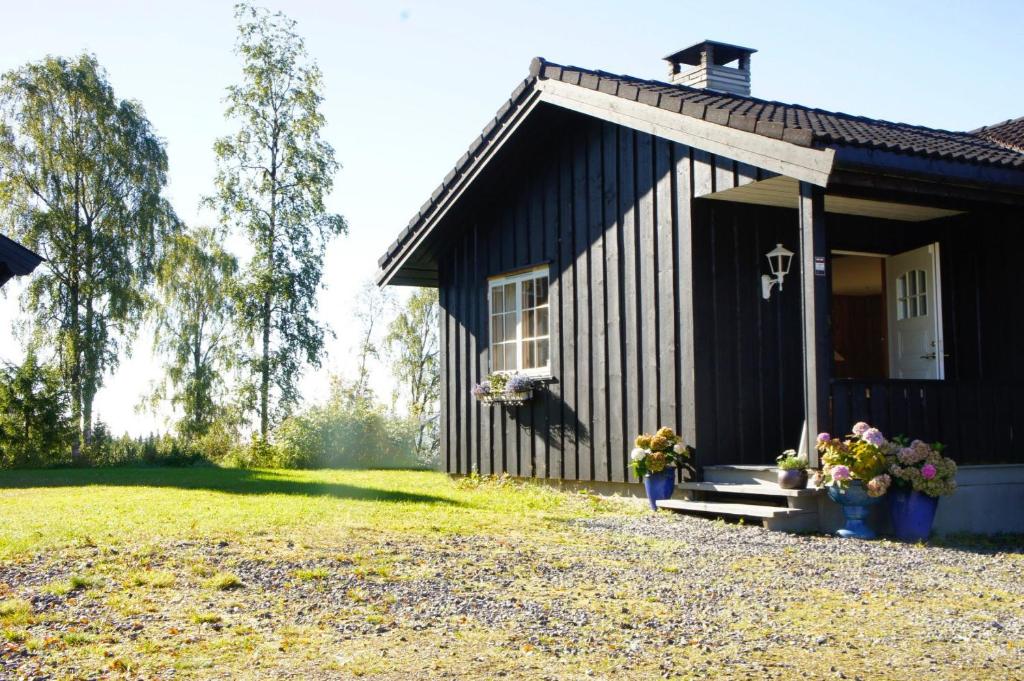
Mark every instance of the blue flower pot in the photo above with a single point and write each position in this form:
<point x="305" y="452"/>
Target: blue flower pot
<point x="856" y="505"/>
<point x="912" y="514"/>
<point x="660" y="486"/>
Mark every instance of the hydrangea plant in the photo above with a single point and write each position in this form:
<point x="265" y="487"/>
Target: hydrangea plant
<point x="861" y="455"/>
<point x="923" y="468"/>
<point x="655" y="453"/>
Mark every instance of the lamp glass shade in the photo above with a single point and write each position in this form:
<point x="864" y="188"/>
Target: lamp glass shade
<point x="779" y="259"/>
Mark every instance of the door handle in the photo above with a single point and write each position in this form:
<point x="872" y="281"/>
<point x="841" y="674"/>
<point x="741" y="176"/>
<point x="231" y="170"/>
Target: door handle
<point x="932" y="355"/>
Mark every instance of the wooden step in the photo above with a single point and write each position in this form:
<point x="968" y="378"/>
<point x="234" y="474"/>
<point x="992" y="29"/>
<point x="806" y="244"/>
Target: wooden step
<point x="742" y="474"/>
<point x="772" y="517"/>
<point x="747" y="488"/>
<point x="728" y="508"/>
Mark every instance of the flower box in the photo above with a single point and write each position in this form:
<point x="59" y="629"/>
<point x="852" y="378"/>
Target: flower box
<point x="512" y="399"/>
<point x="509" y="389"/>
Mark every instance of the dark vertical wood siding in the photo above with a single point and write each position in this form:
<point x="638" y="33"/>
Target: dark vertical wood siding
<point x="612" y="212"/>
<point x="601" y="206"/>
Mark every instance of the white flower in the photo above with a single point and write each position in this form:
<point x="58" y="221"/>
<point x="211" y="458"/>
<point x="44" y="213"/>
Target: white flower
<point x="637" y="454"/>
<point x="679" y="448"/>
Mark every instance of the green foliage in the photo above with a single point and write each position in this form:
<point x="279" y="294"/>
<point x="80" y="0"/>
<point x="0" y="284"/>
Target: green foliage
<point x="158" y="450"/>
<point x="193" y="316"/>
<point x="223" y="581"/>
<point x="789" y="460"/>
<point x="34" y="425"/>
<point x="273" y="175"/>
<point x="343" y="433"/>
<point x="82" y="178"/>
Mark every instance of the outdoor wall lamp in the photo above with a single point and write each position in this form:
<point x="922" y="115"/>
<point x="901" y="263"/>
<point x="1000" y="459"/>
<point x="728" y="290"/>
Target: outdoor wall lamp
<point x="779" y="259"/>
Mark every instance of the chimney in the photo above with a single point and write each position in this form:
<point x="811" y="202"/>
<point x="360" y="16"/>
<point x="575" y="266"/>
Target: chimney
<point x="706" y="66"/>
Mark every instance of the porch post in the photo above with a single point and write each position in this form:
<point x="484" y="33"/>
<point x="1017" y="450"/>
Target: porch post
<point x="816" y="313"/>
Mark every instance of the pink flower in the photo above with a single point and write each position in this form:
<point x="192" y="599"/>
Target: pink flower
<point x="824" y="437"/>
<point x="873" y="436"/>
<point x="928" y="471"/>
<point x="859" y="428"/>
<point x="840" y="472"/>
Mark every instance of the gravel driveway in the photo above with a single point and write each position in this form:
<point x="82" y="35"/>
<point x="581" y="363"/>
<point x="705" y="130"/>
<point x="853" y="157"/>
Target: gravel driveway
<point x="616" y="596"/>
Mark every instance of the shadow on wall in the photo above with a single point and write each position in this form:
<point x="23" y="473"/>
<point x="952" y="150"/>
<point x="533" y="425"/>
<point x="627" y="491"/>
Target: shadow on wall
<point x="225" y="480"/>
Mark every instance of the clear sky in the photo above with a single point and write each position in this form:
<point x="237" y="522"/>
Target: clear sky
<point x="409" y="84"/>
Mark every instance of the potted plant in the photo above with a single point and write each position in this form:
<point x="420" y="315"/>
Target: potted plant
<point x="792" y="470"/>
<point x="854" y="470"/>
<point x="920" y="475"/>
<point x="503" y="388"/>
<point x="654" y="460"/>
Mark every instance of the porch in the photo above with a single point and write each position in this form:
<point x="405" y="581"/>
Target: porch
<point x="853" y="345"/>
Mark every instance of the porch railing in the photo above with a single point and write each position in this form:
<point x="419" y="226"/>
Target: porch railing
<point x="981" y="422"/>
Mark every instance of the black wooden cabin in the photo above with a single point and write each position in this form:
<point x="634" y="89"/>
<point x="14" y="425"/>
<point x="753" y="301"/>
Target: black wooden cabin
<point x="645" y="210"/>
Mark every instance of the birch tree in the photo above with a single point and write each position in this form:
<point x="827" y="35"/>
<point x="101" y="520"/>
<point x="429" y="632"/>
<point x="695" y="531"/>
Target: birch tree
<point x="413" y="344"/>
<point x="193" y="333"/>
<point x="81" y="175"/>
<point x="274" y="173"/>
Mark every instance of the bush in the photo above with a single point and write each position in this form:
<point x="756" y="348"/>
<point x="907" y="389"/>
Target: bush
<point x="340" y="434"/>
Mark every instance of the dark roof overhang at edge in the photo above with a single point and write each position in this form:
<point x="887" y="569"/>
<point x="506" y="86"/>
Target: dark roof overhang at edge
<point x="15" y="259"/>
<point x="808" y="144"/>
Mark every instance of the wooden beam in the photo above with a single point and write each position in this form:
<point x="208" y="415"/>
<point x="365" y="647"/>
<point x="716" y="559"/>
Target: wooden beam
<point x="815" y="305"/>
<point x="685" y="293"/>
<point x="803" y="163"/>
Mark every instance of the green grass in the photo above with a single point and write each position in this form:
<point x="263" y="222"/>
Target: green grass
<point x="112" y="507"/>
<point x="313" y="574"/>
<point x="223" y="581"/>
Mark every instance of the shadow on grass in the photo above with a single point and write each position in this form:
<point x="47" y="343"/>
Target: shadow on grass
<point x="226" y="480"/>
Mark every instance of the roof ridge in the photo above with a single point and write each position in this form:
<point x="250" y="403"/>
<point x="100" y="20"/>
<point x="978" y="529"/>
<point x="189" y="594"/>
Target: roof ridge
<point x="758" y="100"/>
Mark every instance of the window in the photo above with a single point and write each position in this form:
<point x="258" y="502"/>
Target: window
<point x="519" y="322"/>
<point x="912" y="295"/>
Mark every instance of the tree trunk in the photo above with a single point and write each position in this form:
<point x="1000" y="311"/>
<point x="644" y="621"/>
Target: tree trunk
<point x="265" y="370"/>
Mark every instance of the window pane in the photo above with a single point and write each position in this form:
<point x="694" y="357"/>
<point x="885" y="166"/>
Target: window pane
<point x="923" y="305"/>
<point x="527" y="294"/>
<point x="529" y="358"/>
<point x="542" y="290"/>
<point x="542" y="352"/>
<point x="913" y="284"/>
<point x="542" y="322"/>
<point x="901" y="309"/>
<point x="901" y="286"/>
<point x="510" y="326"/>
<point x="913" y="306"/>
<point x="510" y="356"/>
<point x="497" y="358"/>
<point x="496" y="330"/>
<point x="529" y="323"/>
<point x="510" y="297"/>
<point x="497" y="299"/>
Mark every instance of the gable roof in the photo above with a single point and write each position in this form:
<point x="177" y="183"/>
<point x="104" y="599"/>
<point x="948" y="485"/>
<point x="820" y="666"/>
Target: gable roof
<point x="800" y="126"/>
<point x="1009" y="134"/>
<point x="15" y="259"/>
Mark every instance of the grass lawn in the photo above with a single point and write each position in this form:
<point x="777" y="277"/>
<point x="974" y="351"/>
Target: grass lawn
<point x="221" y="573"/>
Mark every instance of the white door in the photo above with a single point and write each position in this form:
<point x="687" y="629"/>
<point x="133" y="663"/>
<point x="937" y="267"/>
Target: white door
<point x="915" y="314"/>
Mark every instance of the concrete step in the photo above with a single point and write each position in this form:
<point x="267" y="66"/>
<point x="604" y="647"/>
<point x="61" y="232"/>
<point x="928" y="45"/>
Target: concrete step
<point x="772" y="517"/>
<point x="755" y="489"/>
<point x="746" y="475"/>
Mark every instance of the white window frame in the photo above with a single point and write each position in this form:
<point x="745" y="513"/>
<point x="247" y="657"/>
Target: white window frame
<point x="517" y="278"/>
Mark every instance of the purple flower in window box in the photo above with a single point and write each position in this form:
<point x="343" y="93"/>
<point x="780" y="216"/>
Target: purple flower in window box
<point x="481" y="390"/>
<point x="519" y="384"/>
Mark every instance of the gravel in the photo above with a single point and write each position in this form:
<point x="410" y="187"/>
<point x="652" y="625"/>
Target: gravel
<point x="639" y="588"/>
